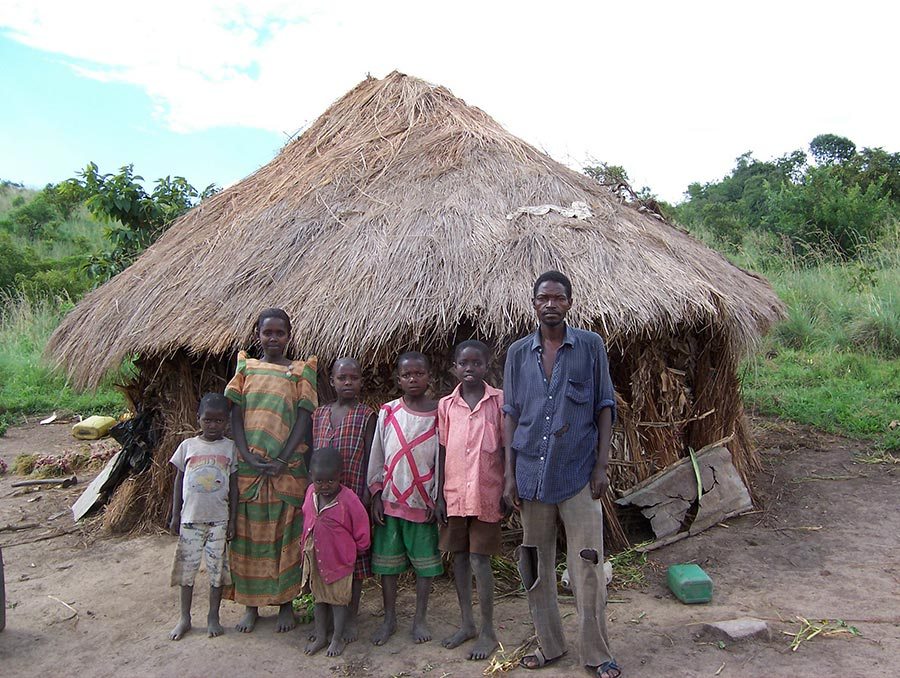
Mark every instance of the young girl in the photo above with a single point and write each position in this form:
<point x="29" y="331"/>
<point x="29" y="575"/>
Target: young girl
<point x="273" y="398"/>
<point x="349" y="426"/>
<point x="335" y="531"/>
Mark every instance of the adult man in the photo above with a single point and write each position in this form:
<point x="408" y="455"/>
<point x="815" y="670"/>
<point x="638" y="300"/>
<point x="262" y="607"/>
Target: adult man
<point x="559" y="410"/>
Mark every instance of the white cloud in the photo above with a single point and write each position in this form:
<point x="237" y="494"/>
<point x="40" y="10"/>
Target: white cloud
<point x="672" y="91"/>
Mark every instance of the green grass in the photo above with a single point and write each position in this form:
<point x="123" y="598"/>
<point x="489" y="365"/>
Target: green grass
<point x="28" y="385"/>
<point x="850" y="393"/>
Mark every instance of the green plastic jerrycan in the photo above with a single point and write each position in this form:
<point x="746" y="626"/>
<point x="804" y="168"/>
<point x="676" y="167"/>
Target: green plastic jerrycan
<point x="690" y="583"/>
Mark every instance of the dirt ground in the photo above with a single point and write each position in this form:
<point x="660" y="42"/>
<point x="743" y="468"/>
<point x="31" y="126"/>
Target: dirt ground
<point x="823" y="544"/>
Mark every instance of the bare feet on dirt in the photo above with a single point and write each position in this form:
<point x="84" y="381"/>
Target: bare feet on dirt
<point x="484" y="647"/>
<point x="337" y="646"/>
<point x="420" y="632"/>
<point x="385" y="631"/>
<point x="315" y="644"/>
<point x="248" y="621"/>
<point x="351" y="632"/>
<point x="462" y="635"/>
<point x="183" y="626"/>
<point x="286" y="619"/>
<point x="214" y="627"/>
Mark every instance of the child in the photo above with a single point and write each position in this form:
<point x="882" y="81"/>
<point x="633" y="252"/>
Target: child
<point x="349" y="426"/>
<point x="335" y="530"/>
<point x="401" y="480"/>
<point x="204" y="507"/>
<point x="273" y="398"/>
<point x="470" y="476"/>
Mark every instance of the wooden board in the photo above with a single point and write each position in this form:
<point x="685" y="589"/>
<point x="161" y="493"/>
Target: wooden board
<point x="96" y="493"/>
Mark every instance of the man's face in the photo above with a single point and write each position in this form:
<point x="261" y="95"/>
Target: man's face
<point x="551" y="303"/>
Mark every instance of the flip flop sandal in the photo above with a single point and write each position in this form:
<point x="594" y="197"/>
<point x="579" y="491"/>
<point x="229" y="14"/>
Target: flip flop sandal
<point x="610" y="668"/>
<point x="538" y="657"/>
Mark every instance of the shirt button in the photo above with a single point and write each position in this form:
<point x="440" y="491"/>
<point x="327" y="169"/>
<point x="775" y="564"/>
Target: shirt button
<point x="545" y="438"/>
<point x="542" y="459"/>
<point x="551" y="397"/>
<point x="548" y="418"/>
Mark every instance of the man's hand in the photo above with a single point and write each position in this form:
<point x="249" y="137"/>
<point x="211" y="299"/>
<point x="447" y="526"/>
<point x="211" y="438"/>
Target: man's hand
<point x="599" y="482"/>
<point x="511" y="494"/>
<point x="175" y="524"/>
<point x="229" y="531"/>
<point x="440" y="512"/>
<point x="377" y="509"/>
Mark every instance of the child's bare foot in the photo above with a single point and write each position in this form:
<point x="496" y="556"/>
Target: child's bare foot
<point x="385" y="631"/>
<point x="337" y="646"/>
<point x="420" y="632"/>
<point x="484" y="647"/>
<point x="315" y="645"/>
<point x="183" y="626"/>
<point x="214" y="627"/>
<point x="286" y="619"/>
<point x="248" y="621"/>
<point x="351" y="632"/>
<point x="462" y="635"/>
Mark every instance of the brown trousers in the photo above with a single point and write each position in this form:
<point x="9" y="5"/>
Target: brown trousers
<point x="582" y="518"/>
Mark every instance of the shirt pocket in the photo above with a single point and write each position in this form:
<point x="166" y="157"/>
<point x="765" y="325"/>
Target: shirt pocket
<point x="577" y="392"/>
<point x="490" y="438"/>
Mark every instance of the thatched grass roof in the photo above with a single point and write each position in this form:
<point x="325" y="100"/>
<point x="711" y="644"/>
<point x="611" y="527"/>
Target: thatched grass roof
<point x="384" y="225"/>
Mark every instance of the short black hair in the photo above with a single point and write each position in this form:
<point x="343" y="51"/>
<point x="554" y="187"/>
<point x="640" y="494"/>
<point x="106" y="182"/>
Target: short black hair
<point x="346" y="361"/>
<point x="552" y="276"/>
<point x="414" y="355"/>
<point x="472" y="343"/>
<point x="272" y="313"/>
<point x="327" y="460"/>
<point x="213" y="401"/>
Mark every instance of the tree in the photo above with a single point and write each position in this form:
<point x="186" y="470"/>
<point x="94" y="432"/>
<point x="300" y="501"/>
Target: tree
<point x="135" y="218"/>
<point x="831" y="149"/>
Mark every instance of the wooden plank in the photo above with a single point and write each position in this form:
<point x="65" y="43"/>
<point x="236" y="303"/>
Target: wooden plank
<point x="94" y="494"/>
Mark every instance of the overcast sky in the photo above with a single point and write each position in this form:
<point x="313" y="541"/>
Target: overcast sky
<point x="673" y="91"/>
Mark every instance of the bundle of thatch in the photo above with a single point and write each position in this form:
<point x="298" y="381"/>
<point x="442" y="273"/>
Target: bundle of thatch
<point x="395" y="222"/>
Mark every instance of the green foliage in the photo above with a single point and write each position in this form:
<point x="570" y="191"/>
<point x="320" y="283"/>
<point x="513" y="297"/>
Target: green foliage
<point x="841" y="392"/>
<point x="134" y="218"/>
<point x="824" y="210"/>
<point x="28" y="385"/>
<point x="831" y="149"/>
<point x="834" y="209"/>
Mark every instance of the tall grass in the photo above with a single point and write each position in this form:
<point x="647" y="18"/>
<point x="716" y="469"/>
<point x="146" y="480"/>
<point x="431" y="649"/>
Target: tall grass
<point x="834" y="362"/>
<point x="28" y="385"/>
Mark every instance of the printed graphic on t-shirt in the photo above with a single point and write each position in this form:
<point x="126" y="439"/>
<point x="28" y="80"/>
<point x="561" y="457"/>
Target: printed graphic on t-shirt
<point x="205" y="473"/>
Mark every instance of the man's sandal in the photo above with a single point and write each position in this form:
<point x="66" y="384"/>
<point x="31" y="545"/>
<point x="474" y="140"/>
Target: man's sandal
<point x="537" y="660"/>
<point x="610" y="668"/>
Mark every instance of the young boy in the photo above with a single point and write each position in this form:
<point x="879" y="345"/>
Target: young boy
<point x="335" y="531"/>
<point x="401" y="479"/>
<point x="204" y="508"/>
<point x="470" y="472"/>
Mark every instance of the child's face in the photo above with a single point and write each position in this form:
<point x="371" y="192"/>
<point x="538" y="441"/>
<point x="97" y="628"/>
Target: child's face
<point x="413" y="377"/>
<point x="273" y="337"/>
<point x="470" y="366"/>
<point x="346" y="381"/>
<point x="212" y="423"/>
<point x="328" y="484"/>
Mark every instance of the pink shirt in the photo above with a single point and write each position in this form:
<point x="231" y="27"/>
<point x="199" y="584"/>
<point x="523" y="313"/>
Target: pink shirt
<point x="339" y="531"/>
<point x="473" y="467"/>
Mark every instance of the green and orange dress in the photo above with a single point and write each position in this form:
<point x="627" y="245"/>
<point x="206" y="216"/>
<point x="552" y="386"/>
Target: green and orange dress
<point x="265" y="553"/>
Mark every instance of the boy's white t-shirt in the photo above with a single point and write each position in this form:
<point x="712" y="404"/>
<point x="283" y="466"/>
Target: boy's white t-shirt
<point x="207" y="467"/>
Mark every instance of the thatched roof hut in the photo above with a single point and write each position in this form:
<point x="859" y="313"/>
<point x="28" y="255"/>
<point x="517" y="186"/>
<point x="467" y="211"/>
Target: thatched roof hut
<point x="395" y="221"/>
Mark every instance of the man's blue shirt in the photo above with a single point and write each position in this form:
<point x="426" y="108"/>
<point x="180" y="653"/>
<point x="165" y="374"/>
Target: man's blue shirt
<point x="556" y="437"/>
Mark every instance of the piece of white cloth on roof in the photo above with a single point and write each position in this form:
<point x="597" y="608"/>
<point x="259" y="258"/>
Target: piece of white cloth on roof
<point x="578" y="210"/>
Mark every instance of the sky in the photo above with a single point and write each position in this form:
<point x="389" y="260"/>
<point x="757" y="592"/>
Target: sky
<point x="212" y="89"/>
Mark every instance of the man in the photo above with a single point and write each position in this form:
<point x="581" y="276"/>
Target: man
<point x="560" y="406"/>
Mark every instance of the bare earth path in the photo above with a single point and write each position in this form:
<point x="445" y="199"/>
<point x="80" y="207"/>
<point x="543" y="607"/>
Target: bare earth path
<point x="768" y="564"/>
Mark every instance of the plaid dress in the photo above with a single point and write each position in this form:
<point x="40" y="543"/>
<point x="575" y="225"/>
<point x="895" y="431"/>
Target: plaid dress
<point x="349" y="440"/>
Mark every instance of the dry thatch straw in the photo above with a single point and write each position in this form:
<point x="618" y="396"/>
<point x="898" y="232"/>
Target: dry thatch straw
<point x="385" y="226"/>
